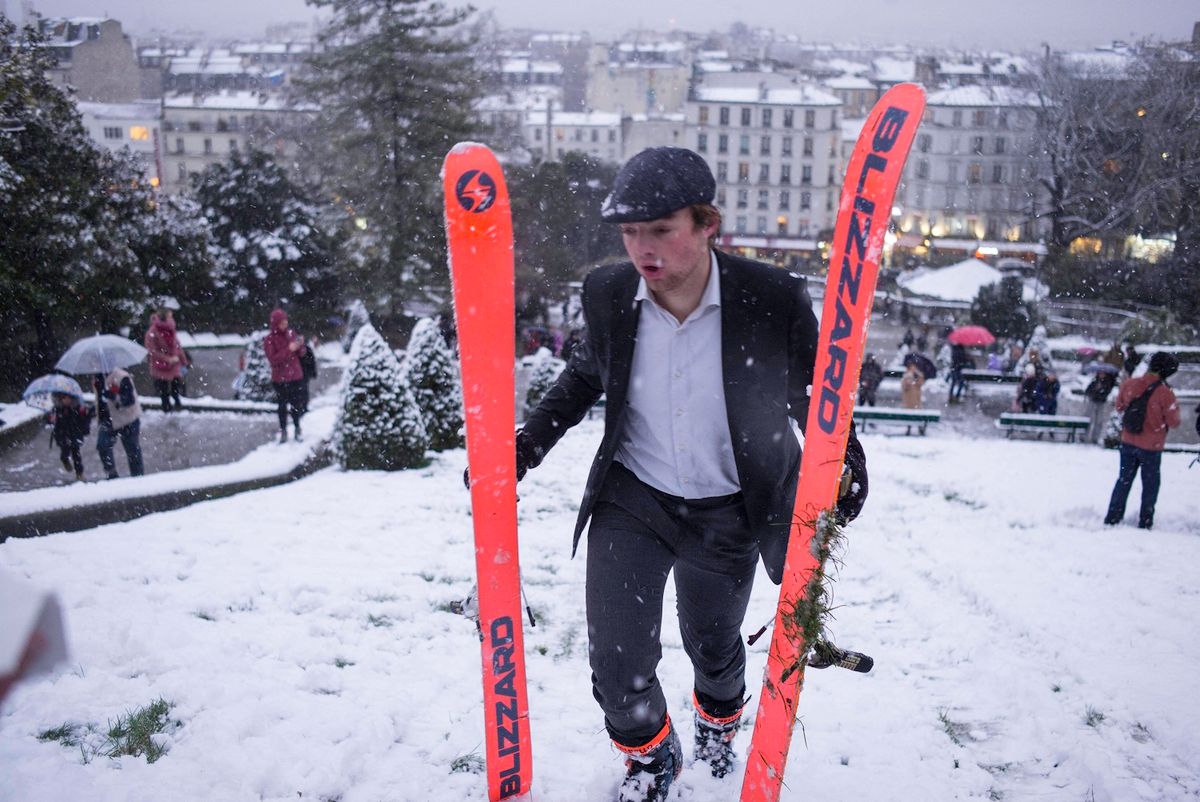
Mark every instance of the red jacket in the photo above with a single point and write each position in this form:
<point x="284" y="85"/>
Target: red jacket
<point x="162" y="345"/>
<point x="1162" y="412"/>
<point x="285" y="363"/>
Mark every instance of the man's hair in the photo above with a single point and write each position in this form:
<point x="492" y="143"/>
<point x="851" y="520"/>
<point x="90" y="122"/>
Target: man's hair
<point x="704" y="214"/>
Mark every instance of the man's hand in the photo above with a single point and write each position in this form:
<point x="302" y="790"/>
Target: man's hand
<point x="528" y="455"/>
<point x="852" y="490"/>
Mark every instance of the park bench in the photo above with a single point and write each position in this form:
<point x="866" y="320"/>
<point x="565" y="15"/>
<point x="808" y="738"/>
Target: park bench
<point x="908" y="418"/>
<point x="1013" y="422"/>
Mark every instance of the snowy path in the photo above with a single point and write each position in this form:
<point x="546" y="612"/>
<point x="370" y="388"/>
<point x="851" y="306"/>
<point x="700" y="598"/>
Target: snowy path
<point x="301" y="633"/>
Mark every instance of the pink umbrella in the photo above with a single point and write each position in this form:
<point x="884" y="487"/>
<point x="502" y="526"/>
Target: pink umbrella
<point x="971" y="335"/>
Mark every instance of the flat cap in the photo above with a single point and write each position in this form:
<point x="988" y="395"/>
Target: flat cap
<point x="657" y="182"/>
<point x="1164" y="364"/>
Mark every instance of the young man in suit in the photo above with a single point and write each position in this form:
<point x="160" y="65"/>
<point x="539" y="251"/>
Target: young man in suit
<point x="704" y="357"/>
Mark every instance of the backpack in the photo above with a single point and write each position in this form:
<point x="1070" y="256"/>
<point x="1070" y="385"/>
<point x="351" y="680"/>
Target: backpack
<point x="308" y="363"/>
<point x="1134" y="419"/>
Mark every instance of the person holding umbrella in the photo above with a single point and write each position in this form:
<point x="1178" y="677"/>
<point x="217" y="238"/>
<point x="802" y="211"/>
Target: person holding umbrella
<point x="72" y="422"/>
<point x="119" y="413"/>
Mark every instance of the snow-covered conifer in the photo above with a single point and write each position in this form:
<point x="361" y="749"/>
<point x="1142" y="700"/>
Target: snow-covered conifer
<point x="356" y="317"/>
<point x="433" y="374"/>
<point x="379" y="425"/>
<point x="254" y="382"/>
<point x="546" y="368"/>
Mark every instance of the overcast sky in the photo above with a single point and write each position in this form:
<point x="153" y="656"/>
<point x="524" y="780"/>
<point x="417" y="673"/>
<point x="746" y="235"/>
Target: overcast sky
<point x="1012" y="24"/>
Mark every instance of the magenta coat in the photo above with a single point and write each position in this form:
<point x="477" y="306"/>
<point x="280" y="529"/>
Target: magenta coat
<point x="162" y="344"/>
<point x="285" y="364"/>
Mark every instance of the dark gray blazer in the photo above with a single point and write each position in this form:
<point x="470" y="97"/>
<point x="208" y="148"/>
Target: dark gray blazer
<point x="768" y="345"/>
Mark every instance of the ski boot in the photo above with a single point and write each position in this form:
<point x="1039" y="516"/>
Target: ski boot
<point x="714" y="738"/>
<point x="652" y="767"/>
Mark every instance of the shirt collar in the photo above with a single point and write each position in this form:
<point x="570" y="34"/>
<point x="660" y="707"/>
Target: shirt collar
<point x="712" y="290"/>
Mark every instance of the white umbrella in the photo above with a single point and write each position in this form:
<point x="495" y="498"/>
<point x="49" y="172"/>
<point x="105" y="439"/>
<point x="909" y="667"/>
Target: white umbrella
<point x="100" y="354"/>
<point x="41" y="390"/>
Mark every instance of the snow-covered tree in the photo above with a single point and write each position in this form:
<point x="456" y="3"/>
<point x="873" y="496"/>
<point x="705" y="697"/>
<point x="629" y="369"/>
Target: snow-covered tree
<point x="433" y="374"/>
<point x="545" y="370"/>
<point x="254" y="382"/>
<point x="270" y="246"/>
<point x="356" y="317"/>
<point x="379" y="425"/>
<point x="396" y="82"/>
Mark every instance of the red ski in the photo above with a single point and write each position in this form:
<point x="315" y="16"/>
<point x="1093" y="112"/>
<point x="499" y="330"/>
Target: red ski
<point x="479" y="235"/>
<point x="863" y="216"/>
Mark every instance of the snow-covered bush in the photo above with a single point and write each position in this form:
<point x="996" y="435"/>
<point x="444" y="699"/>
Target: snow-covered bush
<point x="356" y="317"/>
<point x="433" y="374"/>
<point x="545" y="370"/>
<point x="254" y="382"/>
<point x="379" y="426"/>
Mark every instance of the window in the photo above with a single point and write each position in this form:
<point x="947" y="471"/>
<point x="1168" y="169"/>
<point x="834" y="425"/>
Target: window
<point x="764" y="146"/>
<point x="810" y="119"/>
<point x="764" y="198"/>
<point x="924" y="142"/>
<point x="233" y="122"/>
<point x="723" y="115"/>
<point x="977" y="145"/>
<point x="1002" y="119"/>
<point x="612" y="135"/>
<point x="721" y="196"/>
<point x="578" y="134"/>
<point x="1001" y="144"/>
<point x="745" y="118"/>
<point x="951" y="198"/>
<point x="139" y="133"/>
<point x="764" y="173"/>
<point x="740" y="226"/>
<point x="786" y="146"/>
<point x="722" y="171"/>
<point x="182" y="172"/>
<point x="980" y="118"/>
<point x="923" y="169"/>
<point x="537" y="134"/>
<point x="785" y="173"/>
<point x="788" y="116"/>
<point x="781" y="225"/>
<point x="744" y="145"/>
<point x="954" y="144"/>
<point x="805" y="200"/>
<point x="743" y="198"/>
<point x="114" y="133"/>
<point x="766" y="118"/>
<point x="744" y="172"/>
<point x="808" y="146"/>
<point x="179" y="144"/>
<point x="703" y="115"/>
<point x="207" y="145"/>
<point x="702" y="143"/>
<point x="974" y="173"/>
<point x="956" y="118"/>
<point x="806" y="174"/>
<point x="785" y="198"/>
<point x="997" y="173"/>
<point x="761" y="224"/>
<point x="595" y="135"/>
<point x="722" y="143"/>
<point x="952" y="172"/>
<point x="193" y="125"/>
<point x="233" y="146"/>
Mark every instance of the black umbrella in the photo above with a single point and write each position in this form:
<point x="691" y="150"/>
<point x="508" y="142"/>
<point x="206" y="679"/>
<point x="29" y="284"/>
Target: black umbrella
<point x="923" y="363"/>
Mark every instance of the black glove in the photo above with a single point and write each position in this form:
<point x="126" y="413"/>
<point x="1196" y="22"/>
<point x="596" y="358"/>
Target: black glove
<point x="852" y="493"/>
<point x="528" y="456"/>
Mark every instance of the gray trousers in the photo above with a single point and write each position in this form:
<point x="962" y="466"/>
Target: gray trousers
<point x="637" y="536"/>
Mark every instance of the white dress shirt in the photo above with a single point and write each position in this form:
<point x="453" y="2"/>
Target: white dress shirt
<point x="676" y="435"/>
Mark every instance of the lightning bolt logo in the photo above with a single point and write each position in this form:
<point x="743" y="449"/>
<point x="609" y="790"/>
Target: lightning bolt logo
<point x="476" y="191"/>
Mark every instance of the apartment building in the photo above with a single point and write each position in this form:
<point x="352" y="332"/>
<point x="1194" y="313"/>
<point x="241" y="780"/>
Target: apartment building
<point x="95" y="57"/>
<point x="205" y="129"/>
<point x="135" y="125"/>
<point x="970" y="173"/>
<point x="775" y="153"/>
<point x="550" y="134"/>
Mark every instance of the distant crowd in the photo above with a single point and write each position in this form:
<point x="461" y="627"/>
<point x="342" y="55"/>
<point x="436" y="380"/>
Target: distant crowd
<point x="117" y="408"/>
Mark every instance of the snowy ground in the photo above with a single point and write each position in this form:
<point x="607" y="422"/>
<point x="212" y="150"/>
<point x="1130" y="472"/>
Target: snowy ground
<point x="1023" y="650"/>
